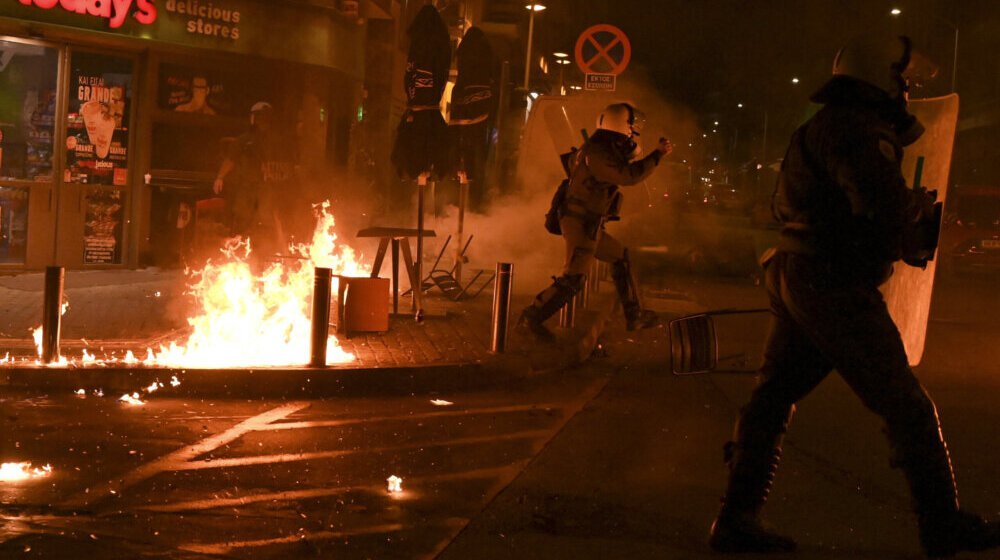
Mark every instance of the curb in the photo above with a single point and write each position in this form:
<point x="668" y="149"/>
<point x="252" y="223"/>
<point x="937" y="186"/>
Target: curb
<point x="293" y="382"/>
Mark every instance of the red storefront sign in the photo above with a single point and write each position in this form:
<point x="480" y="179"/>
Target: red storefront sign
<point x="115" y="11"/>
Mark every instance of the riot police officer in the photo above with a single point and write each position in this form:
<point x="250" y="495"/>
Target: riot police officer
<point x="847" y="215"/>
<point x="596" y="170"/>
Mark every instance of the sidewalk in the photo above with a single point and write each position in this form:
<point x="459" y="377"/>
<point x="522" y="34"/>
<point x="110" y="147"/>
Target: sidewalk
<point x="111" y="312"/>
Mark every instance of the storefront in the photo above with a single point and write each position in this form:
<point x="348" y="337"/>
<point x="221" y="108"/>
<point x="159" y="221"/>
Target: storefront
<point x="114" y="115"/>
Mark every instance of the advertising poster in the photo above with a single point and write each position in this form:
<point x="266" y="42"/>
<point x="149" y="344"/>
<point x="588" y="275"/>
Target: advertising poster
<point x="102" y="228"/>
<point x="97" y="123"/>
<point x="205" y="92"/>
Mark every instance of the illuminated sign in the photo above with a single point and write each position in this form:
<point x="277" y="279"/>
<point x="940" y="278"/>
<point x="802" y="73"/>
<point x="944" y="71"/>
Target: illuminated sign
<point x="115" y="11"/>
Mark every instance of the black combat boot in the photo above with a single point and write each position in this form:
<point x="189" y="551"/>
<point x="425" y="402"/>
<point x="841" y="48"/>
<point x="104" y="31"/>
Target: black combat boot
<point x="753" y="460"/>
<point x="635" y="316"/>
<point x="546" y="303"/>
<point x="919" y="449"/>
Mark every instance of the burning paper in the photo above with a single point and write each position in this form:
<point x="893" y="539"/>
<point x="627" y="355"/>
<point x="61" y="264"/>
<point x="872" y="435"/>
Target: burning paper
<point x="132" y="399"/>
<point x="22" y="471"/>
<point x="395" y="484"/>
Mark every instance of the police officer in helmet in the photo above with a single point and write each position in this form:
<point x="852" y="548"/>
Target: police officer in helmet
<point x="848" y="216"/>
<point x="606" y="161"/>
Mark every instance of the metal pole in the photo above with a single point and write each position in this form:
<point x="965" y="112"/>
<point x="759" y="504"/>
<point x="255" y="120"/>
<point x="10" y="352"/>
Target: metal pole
<point x="52" y="313"/>
<point x="395" y="275"/>
<point x="463" y="199"/>
<point x="322" y="284"/>
<point x="527" y="54"/>
<point x="418" y="290"/>
<point x="567" y="315"/>
<point x="954" y="62"/>
<point x="501" y="305"/>
<point x="585" y="300"/>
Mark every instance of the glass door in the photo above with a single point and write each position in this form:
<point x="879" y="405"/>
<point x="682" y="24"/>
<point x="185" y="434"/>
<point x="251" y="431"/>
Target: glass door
<point x="29" y="127"/>
<point x="95" y="182"/>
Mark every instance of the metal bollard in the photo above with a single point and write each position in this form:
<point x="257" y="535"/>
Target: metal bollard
<point x="501" y="305"/>
<point x="52" y="313"/>
<point x="567" y="315"/>
<point x="322" y="286"/>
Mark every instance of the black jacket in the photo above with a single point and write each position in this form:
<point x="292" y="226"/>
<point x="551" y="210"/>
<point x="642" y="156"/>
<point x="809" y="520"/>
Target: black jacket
<point x="841" y="192"/>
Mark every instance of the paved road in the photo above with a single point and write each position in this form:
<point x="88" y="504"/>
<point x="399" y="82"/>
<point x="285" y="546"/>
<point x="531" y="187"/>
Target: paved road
<point x="269" y="479"/>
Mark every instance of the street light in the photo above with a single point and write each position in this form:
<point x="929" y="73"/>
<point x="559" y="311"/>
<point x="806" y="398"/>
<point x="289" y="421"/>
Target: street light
<point x="532" y="8"/>
<point x="795" y="80"/>
<point x="562" y="62"/>
<point x="895" y="12"/>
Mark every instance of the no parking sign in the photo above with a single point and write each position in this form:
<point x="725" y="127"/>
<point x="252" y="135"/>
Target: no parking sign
<point x="602" y="52"/>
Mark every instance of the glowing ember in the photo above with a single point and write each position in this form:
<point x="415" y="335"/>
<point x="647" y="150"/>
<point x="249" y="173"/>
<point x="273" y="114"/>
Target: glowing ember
<point x="441" y="402"/>
<point x="132" y="399"/>
<point x="22" y="471"/>
<point x="395" y="484"/>
<point x="81" y="392"/>
<point x="154" y="386"/>
<point x="174" y="381"/>
<point x="260" y="320"/>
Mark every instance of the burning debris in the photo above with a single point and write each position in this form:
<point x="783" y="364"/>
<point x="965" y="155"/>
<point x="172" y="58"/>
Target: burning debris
<point x="245" y="318"/>
<point x="395" y="484"/>
<point x="132" y="399"/>
<point x="441" y="402"/>
<point x="12" y="472"/>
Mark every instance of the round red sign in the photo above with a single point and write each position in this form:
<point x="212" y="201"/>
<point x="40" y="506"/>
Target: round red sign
<point x="603" y="49"/>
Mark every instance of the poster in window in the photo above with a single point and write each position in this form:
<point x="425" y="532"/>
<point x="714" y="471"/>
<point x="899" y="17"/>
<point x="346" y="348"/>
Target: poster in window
<point x="102" y="228"/>
<point x="98" y="120"/>
<point x="201" y="91"/>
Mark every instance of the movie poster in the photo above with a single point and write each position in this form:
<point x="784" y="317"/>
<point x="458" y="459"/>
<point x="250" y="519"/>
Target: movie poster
<point x="102" y="227"/>
<point x="98" y="120"/>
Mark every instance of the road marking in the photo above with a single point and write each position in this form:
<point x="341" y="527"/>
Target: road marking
<point x="182" y="456"/>
<point x="224" y="548"/>
<point x="436" y="414"/>
<point x="292" y="457"/>
<point x="290" y="495"/>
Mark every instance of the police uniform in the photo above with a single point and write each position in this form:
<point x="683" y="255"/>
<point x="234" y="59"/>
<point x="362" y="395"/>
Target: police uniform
<point x="596" y="171"/>
<point x="845" y="208"/>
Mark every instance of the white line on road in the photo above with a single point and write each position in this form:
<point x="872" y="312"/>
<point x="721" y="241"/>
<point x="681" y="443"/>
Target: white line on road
<point x="290" y="457"/>
<point x="292" y="495"/>
<point x="182" y="456"/>
<point x="418" y="416"/>
<point x="224" y="548"/>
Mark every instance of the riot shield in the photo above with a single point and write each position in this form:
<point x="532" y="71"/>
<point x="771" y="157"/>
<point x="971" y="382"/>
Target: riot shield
<point x="925" y="163"/>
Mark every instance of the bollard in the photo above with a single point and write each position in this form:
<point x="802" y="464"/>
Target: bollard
<point x="52" y="313"/>
<point x="567" y="315"/>
<point x="501" y="305"/>
<point x="585" y="294"/>
<point x="322" y="286"/>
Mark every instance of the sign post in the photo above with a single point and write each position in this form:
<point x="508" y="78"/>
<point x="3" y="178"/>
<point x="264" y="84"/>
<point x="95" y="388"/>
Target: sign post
<point x="602" y="52"/>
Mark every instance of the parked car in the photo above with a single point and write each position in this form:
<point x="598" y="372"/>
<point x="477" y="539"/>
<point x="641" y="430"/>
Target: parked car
<point x="970" y="239"/>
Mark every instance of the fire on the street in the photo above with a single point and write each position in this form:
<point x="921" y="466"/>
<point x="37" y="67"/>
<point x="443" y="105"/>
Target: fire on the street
<point x="242" y="318"/>
<point x="12" y="472"/>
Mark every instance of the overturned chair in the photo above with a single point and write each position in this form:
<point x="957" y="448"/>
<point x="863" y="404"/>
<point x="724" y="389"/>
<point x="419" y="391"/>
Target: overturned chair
<point x="446" y="281"/>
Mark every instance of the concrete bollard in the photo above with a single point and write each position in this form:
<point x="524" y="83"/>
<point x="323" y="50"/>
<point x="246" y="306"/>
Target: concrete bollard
<point x="501" y="305"/>
<point x="322" y="287"/>
<point x="52" y="313"/>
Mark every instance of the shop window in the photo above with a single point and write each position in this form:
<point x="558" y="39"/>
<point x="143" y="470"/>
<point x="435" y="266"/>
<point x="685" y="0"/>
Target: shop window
<point x="27" y="110"/>
<point x="13" y="224"/>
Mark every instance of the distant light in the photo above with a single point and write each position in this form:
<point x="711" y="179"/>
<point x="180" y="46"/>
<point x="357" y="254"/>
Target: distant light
<point x="716" y="123"/>
<point x="560" y="55"/>
<point x="895" y="11"/>
<point x="759" y="166"/>
<point x="684" y="161"/>
<point x="739" y="105"/>
<point x="795" y="80"/>
<point x="563" y="61"/>
<point x="690" y="144"/>
<point x="575" y="87"/>
<point x="715" y="158"/>
<point x="534" y="7"/>
<point x="713" y="130"/>
<point x="704" y="136"/>
<point x="534" y="95"/>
